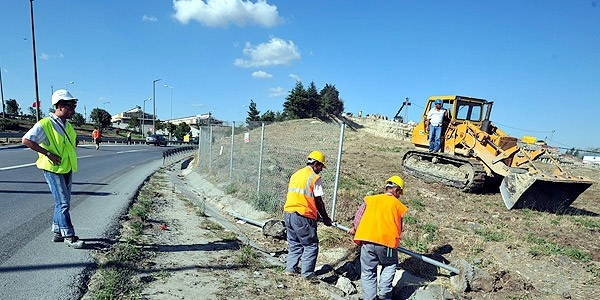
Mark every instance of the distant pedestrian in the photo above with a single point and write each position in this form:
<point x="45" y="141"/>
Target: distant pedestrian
<point x="54" y="139"/>
<point x="433" y="124"/>
<point x="97" y="137"/>
<point x="129" y="138"/>
<point x="302" y="209"/>
<point x="377" y="228"/>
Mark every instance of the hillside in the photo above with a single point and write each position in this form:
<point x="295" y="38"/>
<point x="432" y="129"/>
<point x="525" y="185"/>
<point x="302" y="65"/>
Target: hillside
<point x="527" y="254"/>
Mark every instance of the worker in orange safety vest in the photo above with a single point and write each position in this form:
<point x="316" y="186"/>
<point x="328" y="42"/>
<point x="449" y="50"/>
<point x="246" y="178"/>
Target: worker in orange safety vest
<point x="377" y="227"/>
<point x="301" y="212"/>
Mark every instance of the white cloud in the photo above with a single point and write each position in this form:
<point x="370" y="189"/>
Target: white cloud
<point x="276" y="92"/>
<point x="261" y="75"/>
<point x="295" y="77"/>
<point x="44" y="56"/>
<point x="221" y="13"/>
<point x="275" y="52"/>
<point x="146" y="18"/>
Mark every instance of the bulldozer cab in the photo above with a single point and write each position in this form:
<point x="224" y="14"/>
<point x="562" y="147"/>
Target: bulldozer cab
<point x="461" y="109"/>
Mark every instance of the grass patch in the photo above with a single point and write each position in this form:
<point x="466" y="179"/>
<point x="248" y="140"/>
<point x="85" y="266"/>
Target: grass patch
<point x="414" y="244"/>
<point x="542" y="247"/>
<point x="232" y="188"/>
<point x="587" y="222"/>
<point x="140" y="211"/>
<point x="417" y="204"/>
<point x="247" y="256"/>
<point x="490" y="235"/>
<point x="266" y="202"/>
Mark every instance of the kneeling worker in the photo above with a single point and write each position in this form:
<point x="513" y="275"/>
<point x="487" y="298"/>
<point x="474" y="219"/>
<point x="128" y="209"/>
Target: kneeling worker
<point x="377" y="228"/>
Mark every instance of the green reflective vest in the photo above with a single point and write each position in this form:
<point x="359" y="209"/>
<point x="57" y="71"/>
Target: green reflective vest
<point x="59" y="145"/>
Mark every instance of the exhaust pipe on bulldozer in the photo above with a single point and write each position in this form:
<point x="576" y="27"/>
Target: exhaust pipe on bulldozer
<point x="540" y="191"/>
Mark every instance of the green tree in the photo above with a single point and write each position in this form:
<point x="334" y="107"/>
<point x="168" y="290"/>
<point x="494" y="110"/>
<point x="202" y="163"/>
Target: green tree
<point x="171" y="128"/>
<point x="253" y="113"/>
<point x="280" y="117"/>
<point x="296" y="104"/>
<point x="134" y="122"/>
<point x="32" y="111"/>
<point x="330" y="101"/>
<point x="268" y="116"/>
<point x="313" y="101"/>
<point x="100" y="117"/>
<point x="77" y="119"/>
<point x="181" y="130"/>
<point x="159" y="125"/>
<point x="12" y="107"/>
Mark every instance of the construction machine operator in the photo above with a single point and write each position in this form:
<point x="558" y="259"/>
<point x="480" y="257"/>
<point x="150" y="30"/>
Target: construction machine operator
<point x="302" y="209"/>
<point x="433" y="124"/>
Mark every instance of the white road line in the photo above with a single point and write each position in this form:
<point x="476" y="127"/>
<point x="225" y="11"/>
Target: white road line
<point x="79" y="157"/>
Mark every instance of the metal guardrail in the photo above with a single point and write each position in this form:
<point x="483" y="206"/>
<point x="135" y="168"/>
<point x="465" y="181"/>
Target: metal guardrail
<point x="177" y="153"/>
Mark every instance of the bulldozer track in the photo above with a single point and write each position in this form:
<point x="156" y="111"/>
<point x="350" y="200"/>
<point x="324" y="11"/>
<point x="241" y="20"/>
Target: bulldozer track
<point x="465" y="174"/>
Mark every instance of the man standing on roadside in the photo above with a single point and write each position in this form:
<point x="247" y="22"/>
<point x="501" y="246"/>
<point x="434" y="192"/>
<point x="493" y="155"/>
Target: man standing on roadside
<point x="54" y="139"/>
<point x="302" y="208"/>
<point x="377" y="229"/>
<point x="96" y="136"/>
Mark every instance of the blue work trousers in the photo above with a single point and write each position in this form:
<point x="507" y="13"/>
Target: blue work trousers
<point x="435" y="133"/>
<point x="303" y="243"/>
<point x="60" y="186"/>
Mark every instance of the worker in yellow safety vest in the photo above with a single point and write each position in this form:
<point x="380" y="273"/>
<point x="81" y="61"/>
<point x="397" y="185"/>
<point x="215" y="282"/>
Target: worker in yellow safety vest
<point x="377" y="228"/>
<point x="54" y="139"/>
<point x="301" y="212"/>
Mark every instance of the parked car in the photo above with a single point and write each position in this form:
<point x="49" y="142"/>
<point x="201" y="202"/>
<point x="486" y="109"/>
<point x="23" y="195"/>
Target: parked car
<point x="156" y="140"/>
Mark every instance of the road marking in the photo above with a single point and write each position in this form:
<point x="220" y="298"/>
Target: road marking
<point x="79" y="157"/>
<point x="129" y="151"/>
<point x="16" y="167"/>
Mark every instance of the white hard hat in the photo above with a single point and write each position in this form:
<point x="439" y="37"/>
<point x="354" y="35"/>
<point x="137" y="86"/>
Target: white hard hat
<point x="64" y="95"/>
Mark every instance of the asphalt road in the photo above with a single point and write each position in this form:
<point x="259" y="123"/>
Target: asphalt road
<point x="31" y="265"/>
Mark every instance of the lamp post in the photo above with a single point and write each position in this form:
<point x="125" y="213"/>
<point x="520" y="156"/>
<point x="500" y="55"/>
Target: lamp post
<point x="72" y="82"/>
<point x="37" y="92"/>
<point x="144" y="115"/>
<point x="171" y="120"/>
<point x="154" y="105"/>
<point x="166" y="85"/>
<point x="2" y="93"/>
<point x="104" y="104"/>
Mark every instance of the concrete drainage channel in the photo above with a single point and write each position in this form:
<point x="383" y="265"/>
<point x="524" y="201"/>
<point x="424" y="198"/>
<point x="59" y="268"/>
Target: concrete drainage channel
<point x="340" y="282"/>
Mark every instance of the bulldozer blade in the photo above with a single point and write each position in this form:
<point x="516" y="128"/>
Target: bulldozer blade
<point x="541" y="192"/>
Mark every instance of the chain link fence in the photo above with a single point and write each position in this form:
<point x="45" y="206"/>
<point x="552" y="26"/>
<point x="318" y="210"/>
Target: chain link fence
<point x="255" y="163"/>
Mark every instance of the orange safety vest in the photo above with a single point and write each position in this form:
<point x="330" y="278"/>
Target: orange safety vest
<point x="381" y="222"/>
<point x="300" y="196"/>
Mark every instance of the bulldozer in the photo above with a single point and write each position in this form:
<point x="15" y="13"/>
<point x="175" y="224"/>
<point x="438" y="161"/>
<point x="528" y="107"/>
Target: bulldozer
<point x="475" y="154"/>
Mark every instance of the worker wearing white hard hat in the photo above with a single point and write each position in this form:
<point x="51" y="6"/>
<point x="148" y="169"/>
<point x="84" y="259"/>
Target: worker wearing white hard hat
<point x="54" y="139"/>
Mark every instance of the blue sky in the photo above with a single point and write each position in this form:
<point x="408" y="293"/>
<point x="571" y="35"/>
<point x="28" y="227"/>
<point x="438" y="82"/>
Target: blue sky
<point x="538" y="60"/>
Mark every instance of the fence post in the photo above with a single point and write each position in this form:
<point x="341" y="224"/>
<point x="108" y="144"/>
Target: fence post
<point x="260" y="156"/>
<point x="210" y="141"/>
<point x="337" y="171"/>
<point x="231" y="158"/>
<point x="199" y="142"/>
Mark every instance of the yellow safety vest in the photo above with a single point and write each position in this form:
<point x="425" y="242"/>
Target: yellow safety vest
<point x="300" y="196"/>
<point x="381" y="222"/>
<point x="59" y="145"/>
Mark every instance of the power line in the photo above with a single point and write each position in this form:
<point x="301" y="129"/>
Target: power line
<point x="527" y="130"/>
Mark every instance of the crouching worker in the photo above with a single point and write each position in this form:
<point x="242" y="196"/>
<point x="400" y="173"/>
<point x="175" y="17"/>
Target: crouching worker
<point x="301" y="209"/>
<point x="377" y="228"/>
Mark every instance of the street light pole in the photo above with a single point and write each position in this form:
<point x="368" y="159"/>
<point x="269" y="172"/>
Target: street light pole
<point x="154" y="105"/>
<point x="104" y="103"/>
<point x="2" y="93"/>
<point x="72" y="82"/>
<point x="166" y="85"/>
<point x="144" y="116"/>
<point x="37" y="92"/>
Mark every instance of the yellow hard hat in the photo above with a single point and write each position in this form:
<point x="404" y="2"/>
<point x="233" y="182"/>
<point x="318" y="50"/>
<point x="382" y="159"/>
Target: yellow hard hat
<point x="395" y="181"/>
<point x="318" y="156"/>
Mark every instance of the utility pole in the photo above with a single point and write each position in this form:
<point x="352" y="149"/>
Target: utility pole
<point x="37" y="93"/>
<point x="2" y="93"/>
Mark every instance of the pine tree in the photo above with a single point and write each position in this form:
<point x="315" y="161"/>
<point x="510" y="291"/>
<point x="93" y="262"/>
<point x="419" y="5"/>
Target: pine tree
<point x="253" y="113"/>
<point x="296" y="104"/>
<point x="313" y="104"/>
<point x="330" y="101"/>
